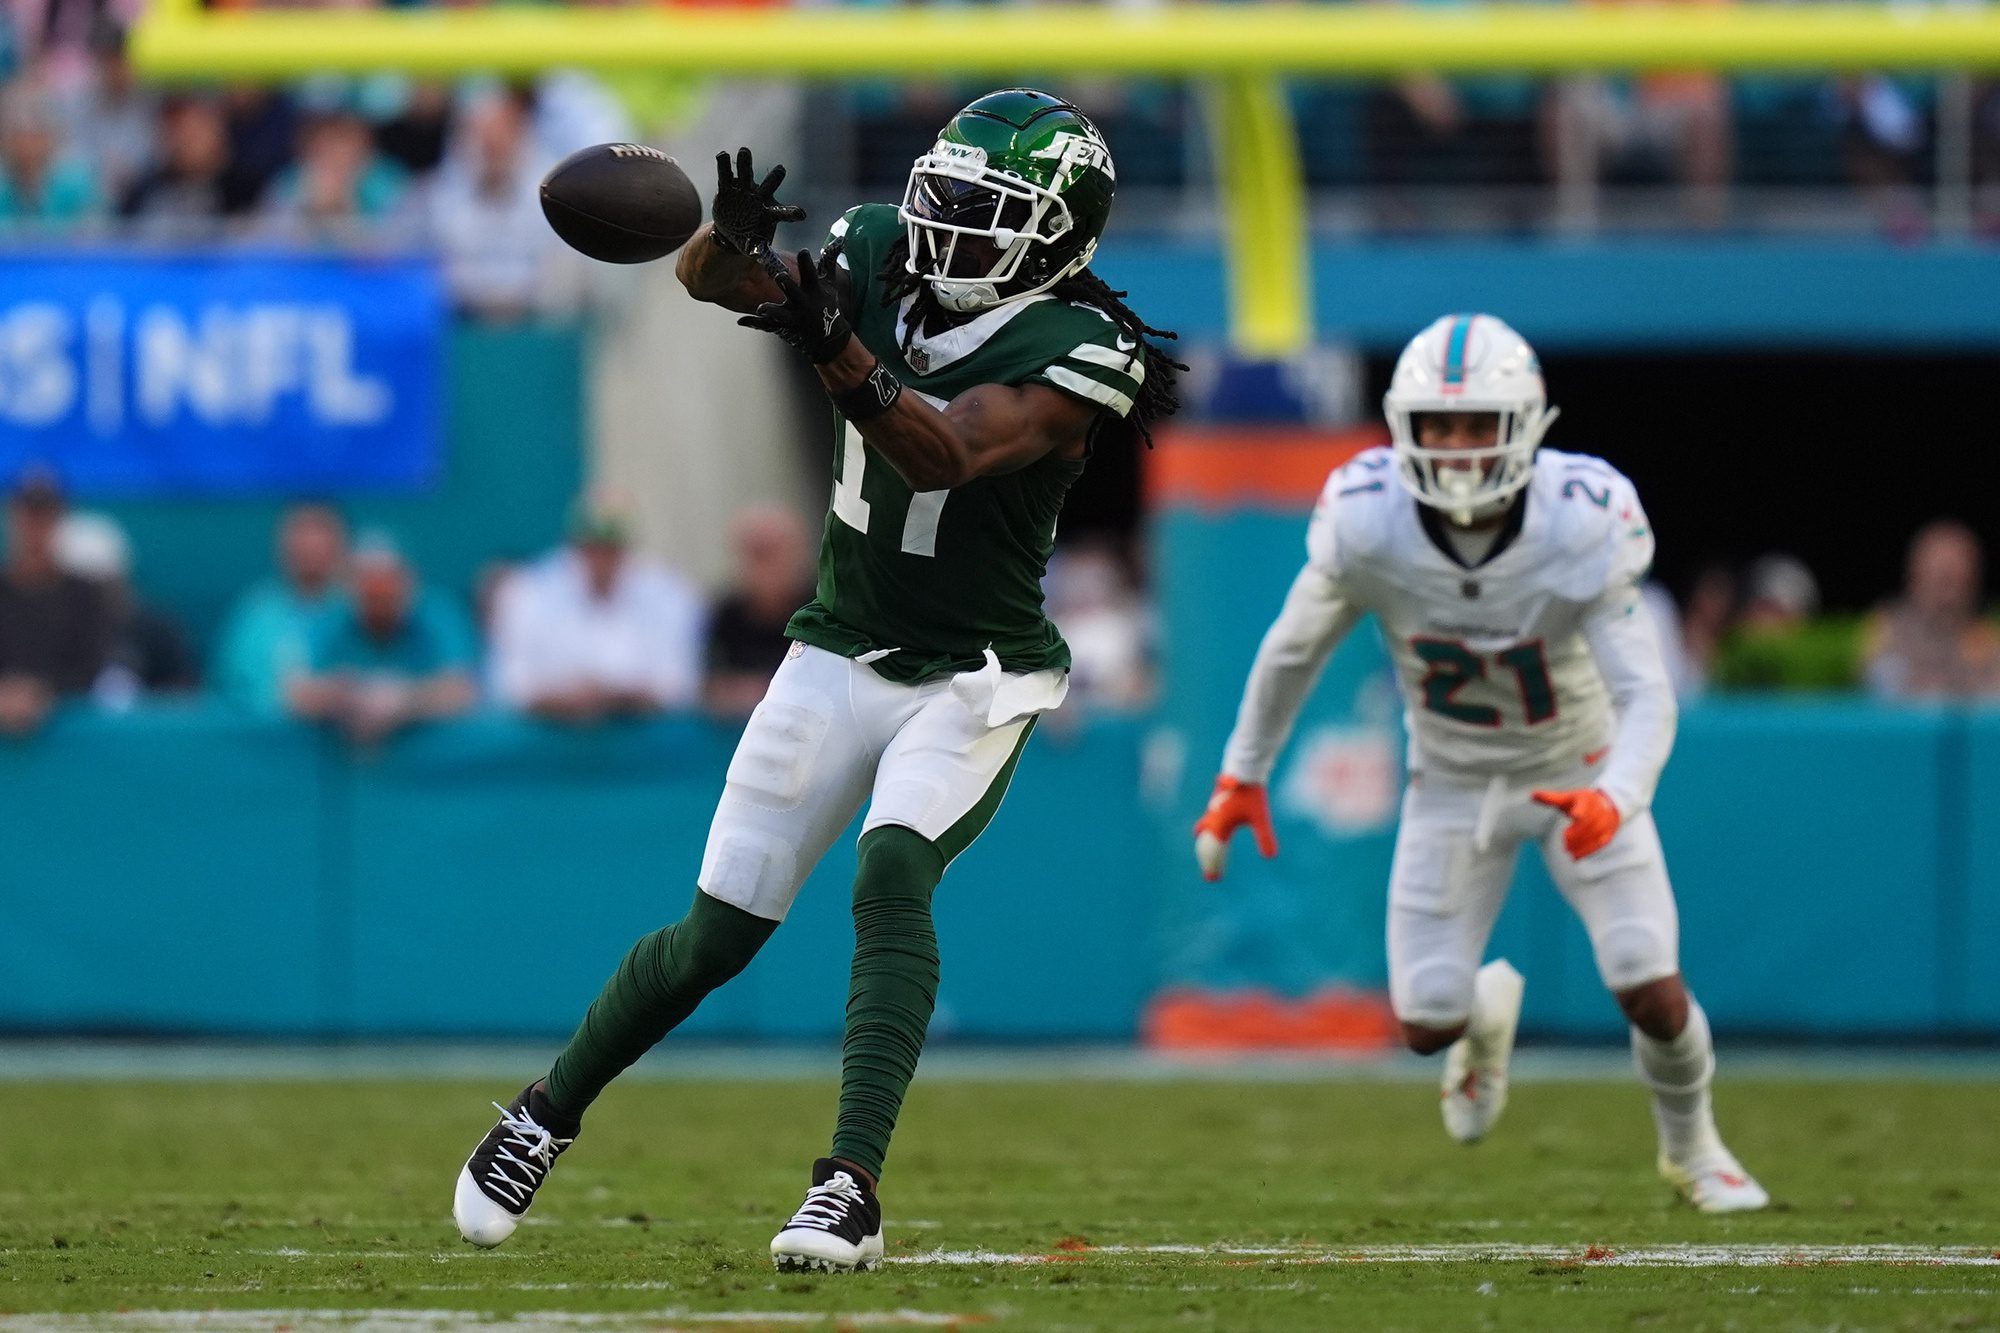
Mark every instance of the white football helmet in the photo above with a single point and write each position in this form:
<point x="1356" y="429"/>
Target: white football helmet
<point x="1468" y="363"/>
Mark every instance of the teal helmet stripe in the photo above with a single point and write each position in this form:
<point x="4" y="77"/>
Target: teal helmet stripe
<point x="1454" y="350"/>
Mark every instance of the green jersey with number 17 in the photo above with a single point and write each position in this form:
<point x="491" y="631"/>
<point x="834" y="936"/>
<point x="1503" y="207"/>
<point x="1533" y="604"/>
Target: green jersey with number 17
<point x="932" y="579"/>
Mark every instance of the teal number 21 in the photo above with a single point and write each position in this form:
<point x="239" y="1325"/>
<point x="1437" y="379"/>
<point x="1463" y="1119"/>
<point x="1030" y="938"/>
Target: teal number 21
<point x="1453" y="666"/>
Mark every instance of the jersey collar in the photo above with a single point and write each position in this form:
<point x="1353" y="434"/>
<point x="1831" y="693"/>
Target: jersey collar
<point x="1510" y="528"/>
<point x="960" y="340"/>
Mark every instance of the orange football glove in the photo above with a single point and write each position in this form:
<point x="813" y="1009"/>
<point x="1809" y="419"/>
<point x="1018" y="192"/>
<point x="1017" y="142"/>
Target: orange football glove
<point x="1593" y="819"/>
<point x="1232" y="805"/>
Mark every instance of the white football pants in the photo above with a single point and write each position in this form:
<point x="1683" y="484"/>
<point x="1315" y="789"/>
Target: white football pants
<point x="1455" y="855"/>
<point x="935" y="758"/>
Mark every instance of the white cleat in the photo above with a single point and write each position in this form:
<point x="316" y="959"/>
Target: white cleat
<point x="838" y="1229"/>
<point x="1716" y="1183"/>
<point x="480" y="1220"/>
<point x="1473" y="1090"/>
<point x="499" y="1180"/>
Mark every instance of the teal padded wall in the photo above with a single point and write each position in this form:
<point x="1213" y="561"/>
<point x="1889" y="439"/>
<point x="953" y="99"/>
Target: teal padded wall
<point x="1972" y="912"/>
<point x="190" y="871"/>
<point x="166" y="872"/>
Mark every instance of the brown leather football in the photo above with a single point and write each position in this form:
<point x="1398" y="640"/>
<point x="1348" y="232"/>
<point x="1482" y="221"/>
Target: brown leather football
<point x="623" y="203"/>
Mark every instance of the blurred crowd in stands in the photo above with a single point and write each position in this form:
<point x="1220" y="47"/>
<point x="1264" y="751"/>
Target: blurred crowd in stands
<point x="345" y="630"/>
<point x="85" y="148"/>
<point x="87" y="151"/>
<point x="1763" y="628"/>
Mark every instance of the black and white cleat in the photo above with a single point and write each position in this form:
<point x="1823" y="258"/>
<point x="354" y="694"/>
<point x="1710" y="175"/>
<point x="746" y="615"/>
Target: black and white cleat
<point x="499" y="1180"/>
<point x="838" y="1229"/>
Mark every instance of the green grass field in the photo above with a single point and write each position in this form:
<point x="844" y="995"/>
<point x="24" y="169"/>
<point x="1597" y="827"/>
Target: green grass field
<point x="1010" y="1205"/>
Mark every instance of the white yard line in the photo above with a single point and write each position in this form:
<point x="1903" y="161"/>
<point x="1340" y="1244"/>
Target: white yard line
<point x="1642" y="1256"/>
<point x="333" y="1320"/>
<point x="1638" y="1256"/>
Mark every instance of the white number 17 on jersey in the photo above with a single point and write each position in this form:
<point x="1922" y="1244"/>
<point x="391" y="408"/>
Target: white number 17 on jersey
<point x="920" y="524"/>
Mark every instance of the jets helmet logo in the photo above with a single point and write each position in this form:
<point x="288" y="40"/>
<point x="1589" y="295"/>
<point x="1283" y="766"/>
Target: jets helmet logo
<point x="1075" y="154"/>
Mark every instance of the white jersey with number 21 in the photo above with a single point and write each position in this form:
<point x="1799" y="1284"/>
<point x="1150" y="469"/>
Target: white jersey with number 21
<point x="1511" y="665"/>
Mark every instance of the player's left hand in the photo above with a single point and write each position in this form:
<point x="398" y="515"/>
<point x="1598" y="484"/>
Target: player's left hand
<point x="746" y="214"/>
<point x="809" y="317"/>
<point x="1593" y="819"/>
<point x="1233" y="805"/>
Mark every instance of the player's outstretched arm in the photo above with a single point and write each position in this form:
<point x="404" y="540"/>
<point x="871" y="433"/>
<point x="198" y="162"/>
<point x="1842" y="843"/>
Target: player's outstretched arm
<point x="728" y="262"/>
<point x="1315" y="618"/>
<point x="987" y="430"/>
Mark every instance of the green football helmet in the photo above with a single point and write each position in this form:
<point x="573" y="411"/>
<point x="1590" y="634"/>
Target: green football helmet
<point x="1010" y="200"/>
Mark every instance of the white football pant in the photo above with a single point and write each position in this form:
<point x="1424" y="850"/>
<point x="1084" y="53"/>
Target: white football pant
<point x="1455" y="853"/>
<point x="832" y="733"/>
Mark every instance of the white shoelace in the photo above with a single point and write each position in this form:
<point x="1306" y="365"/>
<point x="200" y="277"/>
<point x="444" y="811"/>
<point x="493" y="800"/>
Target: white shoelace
<point x="541" y="1148"/>
<point x="827" y="1205"/>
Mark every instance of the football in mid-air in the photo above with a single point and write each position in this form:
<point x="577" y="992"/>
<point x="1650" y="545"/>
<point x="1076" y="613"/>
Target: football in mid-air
<point x="623" y="203"/>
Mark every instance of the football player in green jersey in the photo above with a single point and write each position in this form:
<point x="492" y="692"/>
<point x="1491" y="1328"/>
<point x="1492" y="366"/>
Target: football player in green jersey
<point x="973" y="361"/>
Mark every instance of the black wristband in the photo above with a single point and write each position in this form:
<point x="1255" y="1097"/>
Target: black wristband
<point x="870" y="398"/>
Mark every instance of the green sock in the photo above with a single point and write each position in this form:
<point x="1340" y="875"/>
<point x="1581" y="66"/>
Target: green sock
<point x="660" y="982"/>
<point x="893" y="991"/>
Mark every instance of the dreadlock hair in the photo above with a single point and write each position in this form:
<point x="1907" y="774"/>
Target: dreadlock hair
<point x="1159" y="394"/>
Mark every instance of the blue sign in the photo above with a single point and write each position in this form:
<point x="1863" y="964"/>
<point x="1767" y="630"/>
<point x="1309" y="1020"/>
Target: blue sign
<point x="219" y="373"/>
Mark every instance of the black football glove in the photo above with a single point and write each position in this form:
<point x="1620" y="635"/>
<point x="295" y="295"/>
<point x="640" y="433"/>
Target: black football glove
<point x="747" y="214"/>
<point x="809" y="317"/>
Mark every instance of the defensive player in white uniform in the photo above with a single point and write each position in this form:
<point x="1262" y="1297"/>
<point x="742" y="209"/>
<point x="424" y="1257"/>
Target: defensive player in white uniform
<point x="1538" y="709"/>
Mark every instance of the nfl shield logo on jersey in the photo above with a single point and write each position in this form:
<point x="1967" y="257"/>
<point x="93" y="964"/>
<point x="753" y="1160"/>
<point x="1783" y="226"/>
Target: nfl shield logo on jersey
<point x="920" y="360"/>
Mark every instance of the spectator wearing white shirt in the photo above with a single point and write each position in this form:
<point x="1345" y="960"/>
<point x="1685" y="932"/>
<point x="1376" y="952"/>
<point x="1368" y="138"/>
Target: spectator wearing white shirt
<point x="501" y="261"/>
<point x="595" y="631"/>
